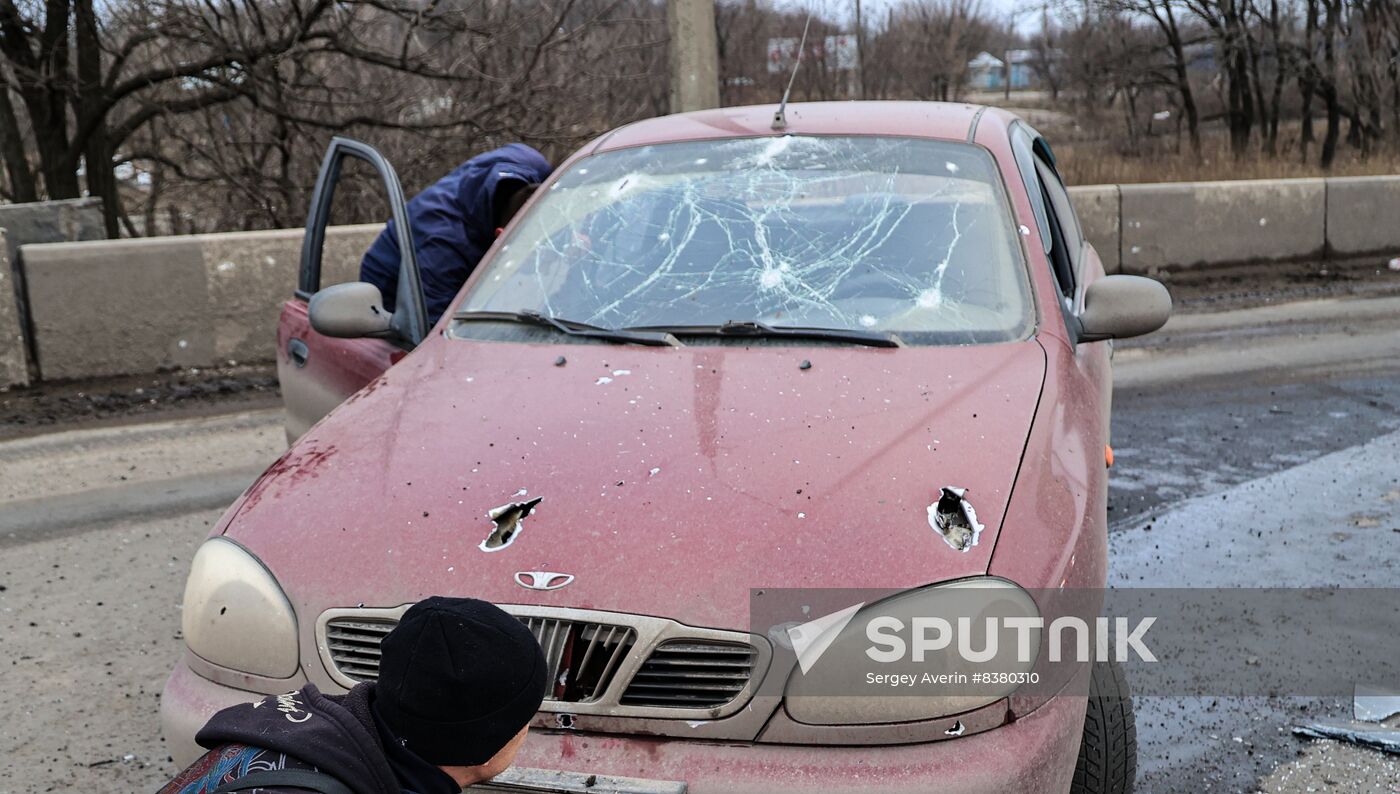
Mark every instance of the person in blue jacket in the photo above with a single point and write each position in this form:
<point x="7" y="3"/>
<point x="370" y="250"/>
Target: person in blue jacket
<point x="454" y="221"/>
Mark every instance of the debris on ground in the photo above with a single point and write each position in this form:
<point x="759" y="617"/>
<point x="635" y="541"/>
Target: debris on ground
<point x="1371" y="708"/>
<point x="1363" y="734"/>
<point x="1373" y="704"/>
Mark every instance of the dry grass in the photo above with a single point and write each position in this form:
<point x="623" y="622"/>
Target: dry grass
<point x="1104" y="161"/>
<point x="1091" y="146"/>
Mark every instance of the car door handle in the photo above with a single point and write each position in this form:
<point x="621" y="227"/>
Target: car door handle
<point x="297" y="351"/>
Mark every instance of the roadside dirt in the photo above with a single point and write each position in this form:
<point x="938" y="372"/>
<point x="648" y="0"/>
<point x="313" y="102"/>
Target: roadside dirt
<point x="172" y="394"/>
<point x="1222" y="289"/>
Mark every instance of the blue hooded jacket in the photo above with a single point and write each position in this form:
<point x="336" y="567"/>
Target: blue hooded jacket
<point x="453" y="225"/>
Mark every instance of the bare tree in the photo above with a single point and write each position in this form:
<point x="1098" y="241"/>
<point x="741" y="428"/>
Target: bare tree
<point x="88" y="82"/>
<point x="1165" y="16"/>
<point x="927" y="45"/>
<point x="194" y="115"/>
<point x="242" y="93"/>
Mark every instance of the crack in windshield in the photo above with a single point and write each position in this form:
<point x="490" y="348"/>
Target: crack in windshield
<point x="859" y="233"/>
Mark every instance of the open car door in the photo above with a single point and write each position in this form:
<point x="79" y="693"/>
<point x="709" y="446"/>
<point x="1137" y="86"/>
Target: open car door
<point x="318" y="372"/>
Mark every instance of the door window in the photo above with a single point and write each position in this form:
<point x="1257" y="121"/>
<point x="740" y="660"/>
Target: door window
<point x="1064" y="230"/>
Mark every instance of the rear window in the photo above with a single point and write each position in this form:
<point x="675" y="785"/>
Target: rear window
<point x="903" y="235"/>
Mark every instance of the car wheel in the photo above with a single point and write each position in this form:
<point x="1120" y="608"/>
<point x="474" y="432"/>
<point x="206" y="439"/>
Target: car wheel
<point x="1108" y="751"/>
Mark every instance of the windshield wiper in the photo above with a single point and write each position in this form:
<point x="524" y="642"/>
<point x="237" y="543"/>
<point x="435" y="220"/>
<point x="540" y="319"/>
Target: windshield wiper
<point x="758" y="328"/>
<point x="575" y="328"/>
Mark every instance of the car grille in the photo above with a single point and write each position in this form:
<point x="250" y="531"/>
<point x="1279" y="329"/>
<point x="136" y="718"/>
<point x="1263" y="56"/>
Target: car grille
<point x="581" y="658"/>
<point x="683" y="674"/>
<point x="600" y="663"/>
<point x="354" y="646"/>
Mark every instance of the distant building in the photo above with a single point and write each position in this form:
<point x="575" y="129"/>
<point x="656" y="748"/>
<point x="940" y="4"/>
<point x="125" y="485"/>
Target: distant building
<point x="987" y="72"/>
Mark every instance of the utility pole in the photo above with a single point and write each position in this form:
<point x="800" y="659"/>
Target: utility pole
<point x="1006" y="72"/>
<point x="860" y="52"/>
<point x="1010" y="40"/>
<point x="693" y="55"/>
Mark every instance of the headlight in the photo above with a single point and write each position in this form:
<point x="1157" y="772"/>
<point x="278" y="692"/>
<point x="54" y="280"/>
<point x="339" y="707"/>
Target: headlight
<point x="236" y="615"/>
<point x="927" y="653"/>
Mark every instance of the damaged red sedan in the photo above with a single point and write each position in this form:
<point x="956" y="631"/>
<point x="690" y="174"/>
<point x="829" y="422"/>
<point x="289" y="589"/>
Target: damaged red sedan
<point x="863" y="345"/>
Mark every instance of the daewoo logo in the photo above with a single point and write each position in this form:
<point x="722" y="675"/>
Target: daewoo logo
<point x="542" y="580"/>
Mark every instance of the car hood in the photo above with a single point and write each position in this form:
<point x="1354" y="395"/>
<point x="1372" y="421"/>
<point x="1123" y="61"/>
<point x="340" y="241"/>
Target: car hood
<point x="672" y="480"/>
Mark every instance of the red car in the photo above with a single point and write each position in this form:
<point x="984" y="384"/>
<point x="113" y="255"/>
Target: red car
<point x="861" y="345"/>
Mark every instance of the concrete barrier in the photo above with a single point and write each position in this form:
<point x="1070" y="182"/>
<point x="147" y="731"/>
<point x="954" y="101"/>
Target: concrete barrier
<point x="1362" y="214"/>
<point x="135" y="306"/>
<point x="138" y="305"/>
<point x="1197" y="224"/>
<point x="35" y="222"/>
<point x="14" y="365"/>
<point x="1098" y="211"/>
<point x="51" y="222"/>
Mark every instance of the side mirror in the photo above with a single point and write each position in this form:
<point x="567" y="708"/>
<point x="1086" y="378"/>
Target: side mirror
<point x="1117" y="307"/>
<point x="349" y="311"/>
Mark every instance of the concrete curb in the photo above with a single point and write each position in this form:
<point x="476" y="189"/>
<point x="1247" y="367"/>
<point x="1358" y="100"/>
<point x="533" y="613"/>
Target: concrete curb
<point x="75" y="480"/>
<point x="24" y="521"/>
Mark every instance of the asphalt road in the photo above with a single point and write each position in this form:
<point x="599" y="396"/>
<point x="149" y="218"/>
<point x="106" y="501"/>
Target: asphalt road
<point x="1230" y="430"/>
<point x="1216" y="399"/>
<point x="1222" y="422"/>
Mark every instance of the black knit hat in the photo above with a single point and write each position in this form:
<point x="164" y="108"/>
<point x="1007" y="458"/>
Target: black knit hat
<point x="458" y="679"/>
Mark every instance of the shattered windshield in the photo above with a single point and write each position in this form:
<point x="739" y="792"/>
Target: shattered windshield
<point x="899" y="235"/>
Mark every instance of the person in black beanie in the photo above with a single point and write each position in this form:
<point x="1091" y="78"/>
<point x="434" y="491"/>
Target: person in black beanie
<point x="459" y="681"/>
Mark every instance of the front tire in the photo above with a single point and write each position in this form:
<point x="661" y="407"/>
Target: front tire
<point x="1108" y="751"/>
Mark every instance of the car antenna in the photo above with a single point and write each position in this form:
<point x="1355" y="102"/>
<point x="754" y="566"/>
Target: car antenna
<point x="780" y="118"/>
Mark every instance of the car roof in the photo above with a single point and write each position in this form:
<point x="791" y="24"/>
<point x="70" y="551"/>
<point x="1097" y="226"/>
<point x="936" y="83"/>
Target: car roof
<point x="953" y="121"/>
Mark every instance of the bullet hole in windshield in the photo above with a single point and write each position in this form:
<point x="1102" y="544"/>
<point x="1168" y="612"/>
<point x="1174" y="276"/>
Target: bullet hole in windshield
<point x="509" y="521"/>
<point x="953" y="517"/>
